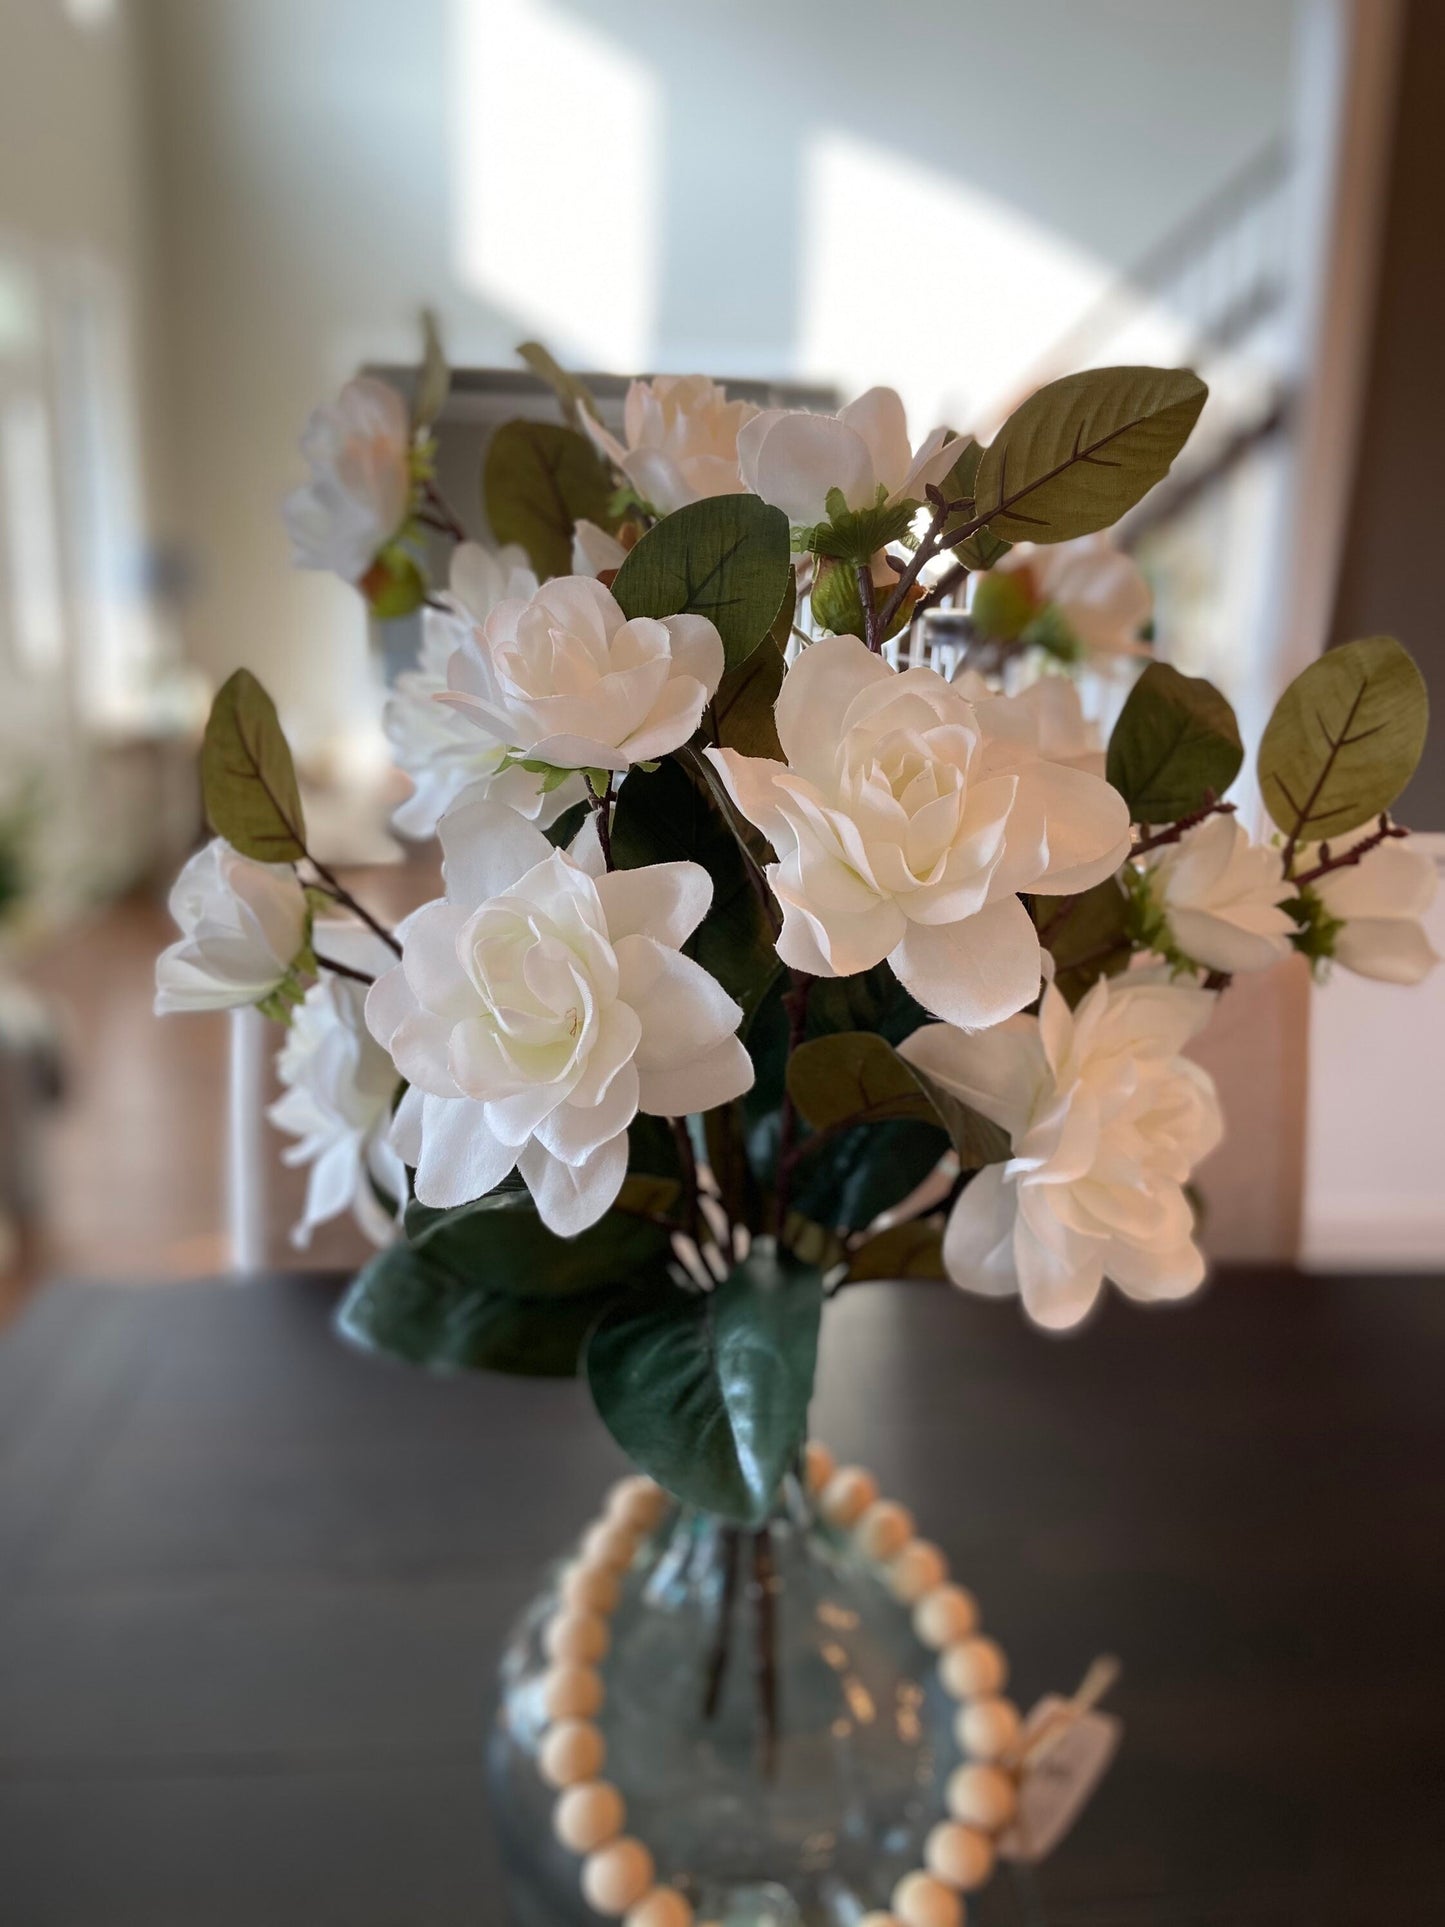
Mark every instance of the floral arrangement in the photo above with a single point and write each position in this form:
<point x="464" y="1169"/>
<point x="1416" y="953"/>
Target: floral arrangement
<point x="766" y="957"/>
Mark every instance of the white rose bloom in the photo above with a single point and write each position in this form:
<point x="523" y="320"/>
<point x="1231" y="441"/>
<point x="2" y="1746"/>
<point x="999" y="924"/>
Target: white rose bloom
<point x="1100" y="592"/>
<point x="1221" y="896"/>
<point x="1107" y="1121"/>
<point x="340" y="1085"/>
<point x="1381" y="902"/>
<point x="441" y="748"/>
<point x="243" y="924"/>
<point x="538" y="1008"/>
<point x="567" y="679"/>
<point x="681" y="440"/>
<point x="359" y="495"/>
<point x="903" y="831"/>
<point x="1047" y="716"/>
<point x="594" y="550"/>
<point x="792" y="459"/>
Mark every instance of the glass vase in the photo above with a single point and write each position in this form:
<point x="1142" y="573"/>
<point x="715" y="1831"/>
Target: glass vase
<point x="775" y="1726"/>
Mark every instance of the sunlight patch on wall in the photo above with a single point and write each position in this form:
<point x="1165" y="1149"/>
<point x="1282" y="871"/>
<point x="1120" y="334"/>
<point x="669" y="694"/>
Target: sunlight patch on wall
<point x="555" y="155"/>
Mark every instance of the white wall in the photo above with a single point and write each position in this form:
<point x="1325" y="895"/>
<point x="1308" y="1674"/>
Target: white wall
<point x="922" y="193"/>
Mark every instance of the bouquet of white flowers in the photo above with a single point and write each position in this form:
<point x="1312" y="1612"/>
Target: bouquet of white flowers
<point x="761" y="963"/>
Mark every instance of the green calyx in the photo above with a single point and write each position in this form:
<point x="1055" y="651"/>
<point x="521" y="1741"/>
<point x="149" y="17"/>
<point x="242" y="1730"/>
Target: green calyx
<point x="1051" y="633"/>
<point x="280" y="1002"/>
<point x="552" y="775"/>
<point x="838" y="605"/>
<point x="394" y="584"/>
<point x="1147" y="923"/>
<point x="856" y="535"/>
<point x="1316" y="931"/>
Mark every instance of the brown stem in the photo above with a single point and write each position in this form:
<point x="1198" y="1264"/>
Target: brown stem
<point x="722" y="1634"/>
<point x="340" y="894"/>
<point x="930" y="545"/>
<point x="602" y="805"/>
<point x="1383" y="833"/>
<point x="1155" y="840"/>
<point x="872" y="627"/>
<point x="344" y="970"/>
<point x="444" y="519"/>
<point x="796" y="1002"/>
<point x="765" y="1656"/>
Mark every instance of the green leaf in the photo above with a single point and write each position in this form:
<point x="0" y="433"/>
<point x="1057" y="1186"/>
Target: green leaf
<point x="1175" y="742"/>
<point x="1344" y="740"/>
<point x="1083" y="450"/>
<point x="726" y="558"/>
<point x="912" y="1250"/>
<point x="781" y="632"/>
<point x="854" y="536"/>
<point x="434" y="379"/>
<point x="743" y="706"/>
<point x="574" y="395"/>
<point x="709" y="1392"/>
<point x="539" y="481"/>
<point x="856" y="1077"/>
<point x="247" y="775"/>
<point x="500" y="1243"/>
<point x="981" y="550"/>
<point x="394" y="585"/>
<point x="410" y="1305"/>
<point x="665" y="816"/>
<point x="561" y="833"/>
<point x="1087" y="936"/>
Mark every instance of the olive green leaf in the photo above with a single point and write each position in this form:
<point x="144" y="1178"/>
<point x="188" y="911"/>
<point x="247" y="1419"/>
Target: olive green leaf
<point x="1344" y="740"/>
<point x="1088" y="936"/>
<point x="539" y="481"/>
<point x="1079" y="453"/>
<point x="856" y="1077"/>
<point x="1176" y="742"/>
<point x="743" y="707"/>
<point x="726" y="558"/>
<point x="434" y="378"/>
<point x="247" y="776"/>
<point x="574" y="395"/>
<point x="708" y="1392"/>
<point x="911" y="1250"/>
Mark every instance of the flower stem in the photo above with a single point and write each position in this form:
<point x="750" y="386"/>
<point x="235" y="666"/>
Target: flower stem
<point x="1155" y="840"/>
<point x="602" y="805"/>
<point x="344" y="970"/>
<point x="1384" y="832"/>
<point x="723" y="1634"/>
<point x="873" y="628"/>
<point x="340" y="894"/>
<point x="441" y="516"/>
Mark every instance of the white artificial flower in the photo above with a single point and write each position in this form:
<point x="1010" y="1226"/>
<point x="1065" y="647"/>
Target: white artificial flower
<point x="441" y="748"/>
<point x="793" y="459"/>
<point x="339" y="1088"/>
<point x="903" y="830"/>
<point x="243" y="925"/>
<point x="567" y="679"/>
<point x="594" y="551"/>
<point x="359" y="495"/>
<point x="1107" y="1121"/>
<point x="1101" y="593"/>
<point x="681" y="440"/>
<point x="1221" y="896"/>
<point x="537" y="1008"/>
<point x="1380" y="903"/>
<point x="1047" y="715"/>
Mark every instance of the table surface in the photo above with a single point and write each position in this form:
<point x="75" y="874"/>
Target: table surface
<point x="252" y="1585"/>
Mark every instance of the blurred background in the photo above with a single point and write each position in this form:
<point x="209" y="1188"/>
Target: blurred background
<point x="212" y="212"/>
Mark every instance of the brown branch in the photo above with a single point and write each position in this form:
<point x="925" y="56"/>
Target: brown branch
<point x="1384" y="832"/>
<point x="687" y="1160"/>
<point x="722" y="1636"/>
<point x="338" y="892"/>
<point x="1155" y="840"/>
<point x="344" y="970"/>
<point x="872" y="627"/>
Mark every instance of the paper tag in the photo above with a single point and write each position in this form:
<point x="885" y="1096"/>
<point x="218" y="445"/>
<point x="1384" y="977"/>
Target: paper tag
<point x="1055" y="1787"/>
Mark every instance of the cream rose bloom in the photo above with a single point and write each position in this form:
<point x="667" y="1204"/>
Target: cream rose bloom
<point x="338" y="1086"/>
<point x="1107" y="1121"/>
<point x="793" y="459"/>
<point x="1221" y="895"/>
<point x="537" y="1008"/>
<point x="566" y="678"/>
<point x="1101" y="593"/>
<point x="243" y="926"/>
<point x="1380" y="903"/>
<point x="681" y="440"/>
<point x="903" y="830"/>
<point x="1047" y="716"/>
<point x="442" y="749"/>
<point x="359" y="495"/>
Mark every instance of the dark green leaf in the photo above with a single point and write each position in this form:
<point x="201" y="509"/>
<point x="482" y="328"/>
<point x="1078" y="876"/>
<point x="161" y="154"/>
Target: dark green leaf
<point x="912" y="1250"/>
<point x="981" y="550"/>
<point x="1176" y="742"/>
<point x="857" y="1175"/>
<point x="539" y="481"/>
<point x="1344" y="740"/>
<point x="743" y="705"/>
<point x="500" y="1244"/>
<point x="726" y="558"/>
<point x="561" y="833"/>
<point x="1087" y="936"/>
<point x="709" y="1392"/>
<point x="1079" y="453"/>
<point x="855" y="1078"/>
<point x="247" y="775"/>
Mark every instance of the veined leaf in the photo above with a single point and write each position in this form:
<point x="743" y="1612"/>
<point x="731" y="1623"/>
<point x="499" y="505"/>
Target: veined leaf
<point x="574" y="395"/>
<point x="248" y="777"/>
<point x="1087" y="936"/>
<point x="709" y="1392"/>
<point x="856" y="1077"/>
<point x="1175" y="742"/>
<point x="911" y="1250"/>
<point x="726" y="558"/>
<point x="743" y="706"/>
<point x="500" y="1244"/>
<point x="1079" y="453"/>
<point x="538" y="482"/>
<point x="1344" y="740"/>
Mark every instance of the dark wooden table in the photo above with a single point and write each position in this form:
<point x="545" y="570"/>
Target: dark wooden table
<point x="252" y="1586"/>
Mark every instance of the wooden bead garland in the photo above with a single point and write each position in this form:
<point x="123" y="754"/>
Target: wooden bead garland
<point x="618" y="1873"/>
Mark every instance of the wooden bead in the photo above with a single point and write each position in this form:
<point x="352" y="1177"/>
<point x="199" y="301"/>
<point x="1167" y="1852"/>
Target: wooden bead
<point x="636" y="1504"/>
<point x="590" y="1588"/>
<point x="607" y="1544"/>
<point x="884" y="1530"/>
<point x="588" y="1816"/>
<point x="921" y="1901"/>
<point x="917" y="1570"/>
<point x="848" y="1495"/>
<point x="819" y="1465"/>
<point x="973" y="1669"/>
<point x="581" y="1637"/>
<point x="988" y="1728"/>
<point x="571" y="1751"/>
<point x="616" y="1876"/>
<point x="663" y="1907"/>
<point x="982" y="1796"/>
<point x="947" y="1615"/>
<point x="572" y="1692"/>
<point x="961" y="1856"/>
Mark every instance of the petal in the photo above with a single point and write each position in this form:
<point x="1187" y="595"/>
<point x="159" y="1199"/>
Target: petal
<point x="697" y="649"/>
<point x="717" y="1077"/>
<point x="978" y="1240"/>
<point x="485" y="848"/>
<point x="666" y="901"/>
<point x="461" y="1158"/>
<point x="879" y="417"/>
<point x="817" y="691"/>
<point x="569" y="1197"/>
<point x="976" y="972"/>
<point x="574" y="1131"/>
<point x="1391" y="881"/>
<point x="802" y="457"/>
<point x="684" y="1010"/>
<point x="752" y="783"/>
<point x="1148" y="1275"/>
<point x="1394" y="950"/>
<point x="1220" y="944"/>
<point x="404" y="1135"/>
<point x="998" y="1072"/>
<point x="1085" y="823"/>
<point x="1057" y="1288"/>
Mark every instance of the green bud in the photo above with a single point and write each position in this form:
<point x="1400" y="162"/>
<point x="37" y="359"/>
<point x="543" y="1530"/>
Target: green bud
<point x="1003" y="605"/>
<point x="1317" y="931"/>
<point x="394" y="584"/>
<point x="838" y="606"/>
